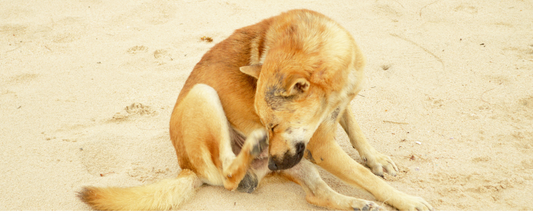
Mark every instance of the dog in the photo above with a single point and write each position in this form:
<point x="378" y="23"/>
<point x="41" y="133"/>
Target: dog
<point x="268" y="99"/>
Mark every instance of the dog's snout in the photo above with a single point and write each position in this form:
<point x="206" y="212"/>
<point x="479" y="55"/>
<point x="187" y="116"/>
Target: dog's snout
<point x="300" y="147"/>
<point x="288" y="160"/>
<point x="272" y="165"/>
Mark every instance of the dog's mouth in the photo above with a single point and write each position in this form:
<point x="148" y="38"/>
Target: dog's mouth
<point x="288" y="161"/>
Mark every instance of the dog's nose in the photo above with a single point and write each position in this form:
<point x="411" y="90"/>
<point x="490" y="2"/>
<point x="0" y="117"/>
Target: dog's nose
<point x="300" y="147"/>
<point x="288" y="160"/>
<point x="272" y="165"/>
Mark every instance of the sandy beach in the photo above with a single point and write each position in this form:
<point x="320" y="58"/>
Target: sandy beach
<point x="87" y="88"/>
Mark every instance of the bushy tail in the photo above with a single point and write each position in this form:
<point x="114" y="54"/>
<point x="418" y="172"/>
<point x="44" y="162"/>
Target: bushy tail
<point x="164" y="195"/>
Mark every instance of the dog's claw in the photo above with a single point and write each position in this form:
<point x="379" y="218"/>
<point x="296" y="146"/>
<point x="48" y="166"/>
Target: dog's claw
<point x="370" y="206"/>
<point x="248" y="183"/>
<point x="261" y="142"/>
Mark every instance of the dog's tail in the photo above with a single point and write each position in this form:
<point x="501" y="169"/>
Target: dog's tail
<point x="164" y="195"/>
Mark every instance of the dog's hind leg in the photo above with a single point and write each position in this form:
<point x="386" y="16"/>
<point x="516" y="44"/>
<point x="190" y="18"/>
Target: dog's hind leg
<point x="319" y="193"/>
<point x="238" y="174"/>
<point x="373" y="159"/>
<point x="212" y="135"/>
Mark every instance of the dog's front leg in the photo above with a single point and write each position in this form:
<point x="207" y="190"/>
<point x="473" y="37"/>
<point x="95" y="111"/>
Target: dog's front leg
<point x="319" y="193"/>
<point x="325" y="152"/>
<point x="373" y="159"/>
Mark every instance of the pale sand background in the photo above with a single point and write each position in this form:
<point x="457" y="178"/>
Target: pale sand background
<point x="456" y="76"/>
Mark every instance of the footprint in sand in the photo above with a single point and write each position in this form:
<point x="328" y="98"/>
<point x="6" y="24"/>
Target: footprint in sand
<point x="147" y="174"/>
<point x="162" y="56"/>
<point x="10" y="85"/>
<point x="21" y="79"/>
<point x="466" y="9"/>
<point x="137" y="49"/>
<point x="435" y="102"/>
<point x="67" y="30"/>
<point x="521" y="112"/>
<point x="13" y="30"/>
<point x="523" y="140"/>
<point x="134" y="110"/>
<point x="527" y="164"/>
<point x="391" y="9"/>
<point x="105" y="153"/>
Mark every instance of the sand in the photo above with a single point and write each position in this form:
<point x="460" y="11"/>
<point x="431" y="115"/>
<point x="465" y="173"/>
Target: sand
<point x="87" y="88"/>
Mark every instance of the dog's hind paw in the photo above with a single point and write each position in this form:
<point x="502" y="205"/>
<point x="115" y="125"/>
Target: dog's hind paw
<point x="260" y="142"/>
<point x="248" y="183"/>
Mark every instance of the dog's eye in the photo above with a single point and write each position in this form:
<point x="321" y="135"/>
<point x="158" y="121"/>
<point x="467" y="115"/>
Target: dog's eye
<point x="272" y="127"/>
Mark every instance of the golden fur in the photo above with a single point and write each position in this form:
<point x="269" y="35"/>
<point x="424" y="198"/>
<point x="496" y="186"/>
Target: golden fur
<point x="283" y="83"/>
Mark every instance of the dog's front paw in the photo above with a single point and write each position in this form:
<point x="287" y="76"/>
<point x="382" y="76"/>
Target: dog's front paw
<point x="365" y="206"/>
<point x="259" y="140"/>
<point x="412" y="203"/>
<point x="378" y="163"/>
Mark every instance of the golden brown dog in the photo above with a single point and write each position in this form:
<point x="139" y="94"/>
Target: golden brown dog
<point x="283" y="83"/>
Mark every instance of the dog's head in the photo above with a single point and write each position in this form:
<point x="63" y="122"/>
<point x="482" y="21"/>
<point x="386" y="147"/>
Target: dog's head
<point x="293" y="97"/>
<point x="308" y="68"/>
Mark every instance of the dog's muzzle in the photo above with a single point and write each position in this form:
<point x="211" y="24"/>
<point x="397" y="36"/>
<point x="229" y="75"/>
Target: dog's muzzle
<point x="287" y="160"/>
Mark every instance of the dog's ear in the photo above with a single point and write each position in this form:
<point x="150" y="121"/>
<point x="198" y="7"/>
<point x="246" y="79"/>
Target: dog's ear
<point x="295" y="84"/>
<point x="252" y="70"/>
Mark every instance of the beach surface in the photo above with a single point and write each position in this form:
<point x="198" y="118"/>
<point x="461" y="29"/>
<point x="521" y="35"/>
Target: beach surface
<point x="87" y="88"/>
